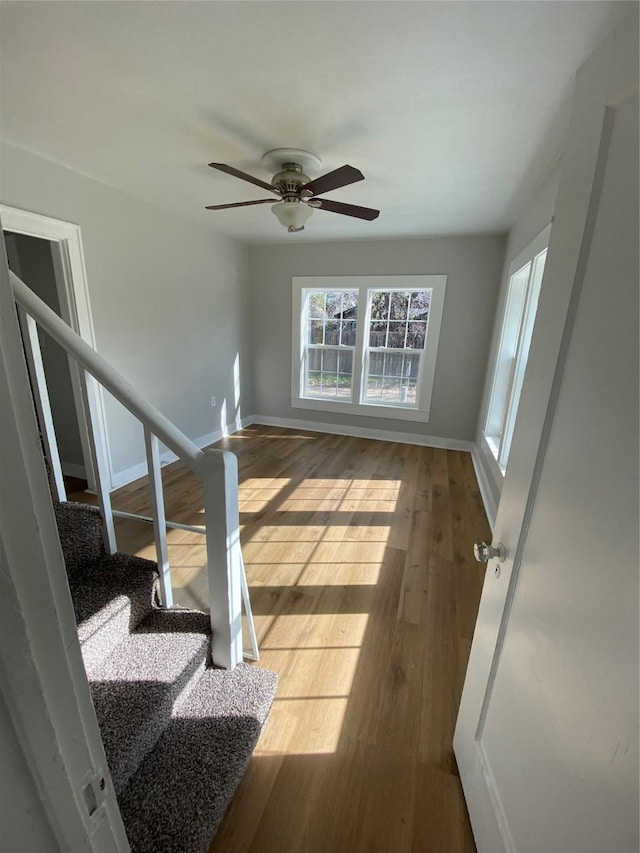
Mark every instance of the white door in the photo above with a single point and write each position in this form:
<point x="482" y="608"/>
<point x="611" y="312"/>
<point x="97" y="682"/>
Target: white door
<point x="547" y="735"/>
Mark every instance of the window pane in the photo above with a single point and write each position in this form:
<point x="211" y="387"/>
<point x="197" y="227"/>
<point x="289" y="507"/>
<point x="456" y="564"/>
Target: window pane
<point x="378" y="334"/>
<point x="314" y="359"/>
<point x="411" y="393"/>
<point x="332" y="332"/>
<point x="379" y="305"/>
<point x="397" y="334"/>
<point x="392" y="379"/>
<point x="521" y="358"/>
<point x="416" y="335"/>
<point x="329" y="374"/>
<point x="334" y="303"/>
<point x="345" y="361"/>
<point x="419" y="305"/>
<point x="511" y="322"/>
<point x="316" y="305"/>
<point x="345" y="370"/>
<point x="399" y="305"/>
<point x="348" y="333"/>
<point x="314" y="335"/>
<point x="350" y="304"/>
<point x="393" y="364"/>
<point x="312" y="388"/>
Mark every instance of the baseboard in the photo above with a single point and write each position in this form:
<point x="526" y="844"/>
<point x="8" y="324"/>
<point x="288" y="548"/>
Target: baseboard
<point x="135" y="472"/>
<point x="365" y="432"/>
<point x="484" y="484"/>
<point x="129" y="475"/>
<point x="70" y="469"/>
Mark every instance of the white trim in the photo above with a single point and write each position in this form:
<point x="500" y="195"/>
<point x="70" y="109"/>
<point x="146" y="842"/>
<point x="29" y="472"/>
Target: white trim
<point x="42" y="675"/>
<point x="501" y="394"/>
<point x="135" y="472"/>
<point x="75" y="304"/>
<point x="535" y="247"/>
<point x="365" y="432"/>
<point x="364" y="284"/>
<point x="70" y="469"/>
<point x="484" y="484"/>
<point x="368" y="410"/>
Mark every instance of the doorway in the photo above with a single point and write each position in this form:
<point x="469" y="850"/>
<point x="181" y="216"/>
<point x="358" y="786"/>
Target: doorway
<point x="47" y="255"/>
<point x="31" y="259"/>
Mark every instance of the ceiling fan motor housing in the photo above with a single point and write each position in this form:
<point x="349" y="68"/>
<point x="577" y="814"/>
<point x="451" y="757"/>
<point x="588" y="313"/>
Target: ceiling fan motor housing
<point x="289" y="181"/>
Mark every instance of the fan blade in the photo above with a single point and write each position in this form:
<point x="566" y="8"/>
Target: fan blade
<point x="222" y="167"/>
<point x="240" y="204"/>
<point x="334" y="180"/>
<point x="347" y="209"/>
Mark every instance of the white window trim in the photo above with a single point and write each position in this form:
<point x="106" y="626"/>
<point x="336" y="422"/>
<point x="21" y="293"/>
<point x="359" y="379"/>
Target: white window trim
<point x="529" y="254"/>
<point x="436" y="283"/>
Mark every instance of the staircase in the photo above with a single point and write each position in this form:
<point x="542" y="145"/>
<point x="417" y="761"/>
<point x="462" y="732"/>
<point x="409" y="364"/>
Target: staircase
<point x="178" y="733"/>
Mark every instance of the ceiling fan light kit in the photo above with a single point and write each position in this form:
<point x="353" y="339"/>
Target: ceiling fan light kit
<point x="292" y="214"/>
<point x="296" y="190"/>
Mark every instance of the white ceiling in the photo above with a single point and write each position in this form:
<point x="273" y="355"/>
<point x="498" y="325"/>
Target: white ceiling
<point x="454" y="111"/>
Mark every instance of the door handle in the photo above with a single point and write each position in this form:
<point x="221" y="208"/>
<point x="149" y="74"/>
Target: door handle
<point x="483" y="552"/>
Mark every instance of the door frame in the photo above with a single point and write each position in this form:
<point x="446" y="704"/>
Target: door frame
<point x="607" y="79"/>
<point x="75" y="307"/>
<point x="42" y="676"/>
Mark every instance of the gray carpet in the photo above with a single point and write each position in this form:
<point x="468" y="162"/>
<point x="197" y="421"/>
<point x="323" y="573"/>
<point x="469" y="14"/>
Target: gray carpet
<point x="205" y="748"/>
<point x="178" y="734"/>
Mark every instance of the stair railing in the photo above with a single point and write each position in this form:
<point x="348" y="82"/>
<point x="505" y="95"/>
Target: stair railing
<point x="218" y="470"/>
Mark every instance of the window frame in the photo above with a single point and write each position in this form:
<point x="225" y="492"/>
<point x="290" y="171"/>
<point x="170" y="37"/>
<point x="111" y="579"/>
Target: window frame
<point x="364" y="285"/>
<point x="502" y="394"/>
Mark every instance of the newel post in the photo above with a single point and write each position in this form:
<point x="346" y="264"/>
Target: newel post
<point x="224" y="559"/>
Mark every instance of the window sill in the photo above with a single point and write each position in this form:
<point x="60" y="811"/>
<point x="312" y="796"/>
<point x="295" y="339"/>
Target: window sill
<point x="361" y="409"/>
<point x="491" y="455"/>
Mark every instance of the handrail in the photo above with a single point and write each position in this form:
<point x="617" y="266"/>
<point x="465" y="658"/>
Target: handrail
<point x="217" y="469"/>
<point x="113" y="381"/>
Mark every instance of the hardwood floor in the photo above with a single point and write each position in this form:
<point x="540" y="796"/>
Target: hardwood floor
<point x="359" y="556"/>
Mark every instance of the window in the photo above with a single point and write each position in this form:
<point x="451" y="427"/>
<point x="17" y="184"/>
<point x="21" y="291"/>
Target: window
<point x="525" y="278"/>
<point x="366" y="344"/>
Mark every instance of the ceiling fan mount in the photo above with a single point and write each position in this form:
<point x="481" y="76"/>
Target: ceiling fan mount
<point x="295" y="190"/>
<point x="276" y="159"/>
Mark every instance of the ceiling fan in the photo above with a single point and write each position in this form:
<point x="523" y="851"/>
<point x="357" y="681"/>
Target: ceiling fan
<point x="298" y="194"/>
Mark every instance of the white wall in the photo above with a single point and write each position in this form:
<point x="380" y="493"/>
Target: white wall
<point x="533" y="219"/>
<point x="472" y="265"/>
<point x="169" y="298"/>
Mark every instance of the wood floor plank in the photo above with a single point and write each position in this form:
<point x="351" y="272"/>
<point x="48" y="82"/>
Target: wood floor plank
<point x="365" y="594"/>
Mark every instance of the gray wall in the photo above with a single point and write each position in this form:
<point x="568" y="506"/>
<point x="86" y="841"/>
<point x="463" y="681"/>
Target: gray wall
<point x="169" y="297"/>
<point x="34" y="264"/>
<point x="23" y="820"/>
<point x="473" y="266"/>
<point x="532" y="220"/>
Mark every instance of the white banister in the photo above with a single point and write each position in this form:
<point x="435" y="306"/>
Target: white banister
<point x="99" y="454"/>
<point x="218" y="470"/>
<point x="254" y="654"/>
<point x="224" y="560"/>
<point x="159" y="525"/>
<point x="94" y="364"/>
<point x="42" y="401"/>
<point x="171" y="525"/>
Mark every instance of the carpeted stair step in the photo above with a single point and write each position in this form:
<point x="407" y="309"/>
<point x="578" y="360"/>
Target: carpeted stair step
<point x="176" y="800"/>
<point x="110" y="599"/>
<point x="80" y="532"/>
<point x="136" y="687"/>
